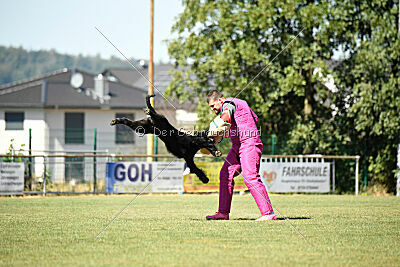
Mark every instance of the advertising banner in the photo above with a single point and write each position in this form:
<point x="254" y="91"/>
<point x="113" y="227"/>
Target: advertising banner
<point x="282" y="177"/>
<point x="12" y="178"/>
<point x="211" y="169"/>
<point x="133" y="177"/>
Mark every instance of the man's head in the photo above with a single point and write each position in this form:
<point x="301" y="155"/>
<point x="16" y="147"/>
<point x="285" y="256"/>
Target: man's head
<point x="215" y="99"/>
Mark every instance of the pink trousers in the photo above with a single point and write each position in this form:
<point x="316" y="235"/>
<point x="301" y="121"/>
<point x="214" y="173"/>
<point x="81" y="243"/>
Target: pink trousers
<point x="243" y="158"/>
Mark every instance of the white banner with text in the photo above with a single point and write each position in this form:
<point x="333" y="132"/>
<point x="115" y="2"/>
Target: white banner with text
<point x="307" y="177"/>
<point x="133" y="177"/>
<point x="12" y="178"/>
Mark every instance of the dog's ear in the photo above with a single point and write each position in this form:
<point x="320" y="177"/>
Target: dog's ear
<point x="203" y="133"/>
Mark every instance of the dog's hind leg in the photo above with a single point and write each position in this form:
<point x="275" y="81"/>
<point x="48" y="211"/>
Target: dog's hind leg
<point x="144" y="126"/>
<point x="194" y="169"/>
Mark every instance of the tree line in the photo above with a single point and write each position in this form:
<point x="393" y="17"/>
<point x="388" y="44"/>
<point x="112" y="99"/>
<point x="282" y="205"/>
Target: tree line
<point x="17" y="63"/>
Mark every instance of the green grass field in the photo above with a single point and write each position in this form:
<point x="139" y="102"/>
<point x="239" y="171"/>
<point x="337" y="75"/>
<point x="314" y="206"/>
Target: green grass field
<point x="171" y="230"/>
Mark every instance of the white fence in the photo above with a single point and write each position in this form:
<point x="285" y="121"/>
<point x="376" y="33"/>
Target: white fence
<point x="68" y="173"/>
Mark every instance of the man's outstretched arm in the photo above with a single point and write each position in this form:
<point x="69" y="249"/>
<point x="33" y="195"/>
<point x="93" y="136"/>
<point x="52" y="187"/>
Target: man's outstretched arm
<point x="221" y="124"/>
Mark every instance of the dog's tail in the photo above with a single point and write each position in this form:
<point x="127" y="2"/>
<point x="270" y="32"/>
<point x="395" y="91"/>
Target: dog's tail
<point x="149" y="106"/>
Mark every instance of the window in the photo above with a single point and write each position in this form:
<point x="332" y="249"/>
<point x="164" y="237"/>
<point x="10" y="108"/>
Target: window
<point x="124" y="134"/>
<point x="74" y="169"/>
<point x="74" y="128"/>
<point x="14" y="120"/>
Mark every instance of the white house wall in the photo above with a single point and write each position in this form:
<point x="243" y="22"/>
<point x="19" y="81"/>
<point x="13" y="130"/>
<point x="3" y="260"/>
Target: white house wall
<point x="48" y="138"/>
<point x="35" y="120"/>
<point x="94" y="119"/>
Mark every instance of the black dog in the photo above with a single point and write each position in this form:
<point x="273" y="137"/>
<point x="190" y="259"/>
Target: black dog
<point x="179" y="143"/>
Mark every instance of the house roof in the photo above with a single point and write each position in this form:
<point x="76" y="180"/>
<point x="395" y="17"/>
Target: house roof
<point x="54" y="90"/>
<point x="162" y="79"/>
<point x="125" y="75"/>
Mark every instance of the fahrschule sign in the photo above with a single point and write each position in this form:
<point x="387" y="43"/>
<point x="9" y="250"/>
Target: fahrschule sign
<point x="283" y="177"/>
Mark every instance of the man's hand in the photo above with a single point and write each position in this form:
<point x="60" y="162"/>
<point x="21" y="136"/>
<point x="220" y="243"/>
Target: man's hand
<point x="226" y="115"/>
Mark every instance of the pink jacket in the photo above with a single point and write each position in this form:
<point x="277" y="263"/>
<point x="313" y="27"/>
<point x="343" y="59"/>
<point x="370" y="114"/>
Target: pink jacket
<point x="243" y="123"/>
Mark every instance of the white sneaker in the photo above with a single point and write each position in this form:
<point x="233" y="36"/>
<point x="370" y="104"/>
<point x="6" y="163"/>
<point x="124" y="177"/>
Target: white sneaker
<point x="269" y="217"/>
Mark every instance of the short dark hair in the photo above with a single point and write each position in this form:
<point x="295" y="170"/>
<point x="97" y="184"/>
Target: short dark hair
<point x="214" y="95"/>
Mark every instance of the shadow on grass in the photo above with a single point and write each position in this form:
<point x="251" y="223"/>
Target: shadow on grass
<point x="253" y="219"/>
<point x="278" y="219"/>
<point x="295" y="218"/>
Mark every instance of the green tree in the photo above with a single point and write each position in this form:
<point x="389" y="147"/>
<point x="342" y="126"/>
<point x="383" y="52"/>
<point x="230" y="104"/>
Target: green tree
<point x="228" y="43"/>
<point x="225" y="44"/>
<point x="17" y="63"/>
<point x="371" y="72"/>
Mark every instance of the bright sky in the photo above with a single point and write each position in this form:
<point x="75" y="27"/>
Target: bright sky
<point x="68" y="26"/>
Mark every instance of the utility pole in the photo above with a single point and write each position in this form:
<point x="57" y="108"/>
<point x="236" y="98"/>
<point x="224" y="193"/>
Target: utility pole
<point x="398" y="149"/>
<point x="150" y="137"/>
<point x="94" y="161"/>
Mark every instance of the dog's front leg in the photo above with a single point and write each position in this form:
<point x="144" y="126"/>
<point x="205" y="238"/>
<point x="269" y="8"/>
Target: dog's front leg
<point x="213" y="149"/>
<point x="208" y="143"/>
<point x="194" y="169"/>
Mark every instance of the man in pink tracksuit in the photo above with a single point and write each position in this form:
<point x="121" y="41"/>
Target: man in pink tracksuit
<point x="244" y="155"/>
